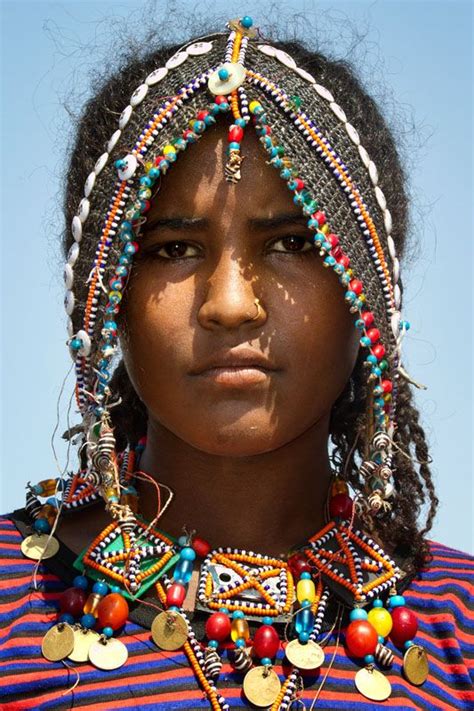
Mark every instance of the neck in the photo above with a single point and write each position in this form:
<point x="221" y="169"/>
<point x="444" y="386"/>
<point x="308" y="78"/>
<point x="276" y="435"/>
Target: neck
<point x="267" y="502"/>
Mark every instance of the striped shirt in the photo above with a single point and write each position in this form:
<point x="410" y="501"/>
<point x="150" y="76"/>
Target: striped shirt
<point x="441" y="596"/>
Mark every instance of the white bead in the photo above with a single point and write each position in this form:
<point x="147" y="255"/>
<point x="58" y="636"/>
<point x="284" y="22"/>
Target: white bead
<point x="128" y="171"/>
<point x="86" y="343"/>
<point x="70" y="328"/>
<point x="198" y="48"/>
<point x="156" y="76"/>
<point x="336" y="109"/>
<point x="380" y="198"/>
<point x="73" y="254"/>
<point x="99" y="166"/>
<point x="373" y="172"/>
<point x="396" y="269"/>
<point x="68" y="276"/>
<point x="139" y="94"/>
<point x="113" y="141"/>
<point x="395" y="323"/>
<point x="285" y="59"/>
<point x="305" y="75"/>
<point x="397" y="296"/>
<point x="352" y="133"/>
<point x="125" y="116"/>
<point x="69" y="301"/>
<point x="267" y="49"/>
<point x="391" y="247"/>
<point x="236" y="78"/>
<point x="364" y="156"/>
<point x="176" y="60"/>
<point x="387" y="218"/>
<point x="76" y="228"/>
<point x="83" y="212"/>
<point x="325" y="93"/>
<point x="89" y="184"/>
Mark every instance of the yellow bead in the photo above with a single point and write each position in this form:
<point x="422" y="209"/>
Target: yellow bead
<point x="148" y="166"/>
<point x="381" y="620"/>
<point x="305" y="590"/>
<point x="169" y="149"/>
<point x="387" y="397"/>
<point x="362" y="298"/>
<point x="254" y="105"/>
<point x="349" y="272"/>
<point x="48" y="487"/>
<point x="92" y="604"/>
<point x="324" y="229"/>
<point x="239" y="629"/>
<point x="109" y="492"/>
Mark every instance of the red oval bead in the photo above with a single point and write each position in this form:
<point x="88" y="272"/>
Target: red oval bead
<point x="298" y="563"/>
<point x="332" y="239"/>
<point x="378" y="351"/>
<point x="345" y="261"/>
<point x="336" y="253"/>
<point x="299" y="184"/>
<point x="72" y="601"/>
<point x="266" y="641"/>
<point x="201" y="115"/>
<point x="201" y="547"/>
<point x="158" y="160"/>
<point x="356" y="286"/>
<point x="368" y="318"/>
<point x="112" y="611"/>
<point x="236" y="133"/>
<point x="387" y="386"/>
<point x="373" y="334"/>
<point x="175" y="595"/>
<point x="361" y="638"/>
<point x="340" y="505"/>
<point x="220" y="99"/>
<point x="320" y="217"/>
<point x="405" y="625"/>
<point x="218" y="626"/>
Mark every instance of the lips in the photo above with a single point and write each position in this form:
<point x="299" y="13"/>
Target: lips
<point x="235" y="358"/>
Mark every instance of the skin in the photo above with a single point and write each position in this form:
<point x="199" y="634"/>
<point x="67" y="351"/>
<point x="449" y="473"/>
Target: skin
<point x="248" y="467"/>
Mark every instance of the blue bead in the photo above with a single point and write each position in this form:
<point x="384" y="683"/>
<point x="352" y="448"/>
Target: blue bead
<point x="80" y="581"/>
<point x="351" y="296"/>
<point x="357" y="614"/>
<point x="199" y="127"/>
<point x="303" y="637"/>
<point x="285" y="173"/>
<point x="306" y="603"/>
<point x="88" y="621"/>
<point x="37" y="489"/>
<point x="237" y="614"/>
<point x="213" y="643"/>
<point x="304" y="620"/>
<point x="372" y="359"/>
<point x="100" y="588"/>
<point x="369" y="659"/>
<point x="174" y="608"/>
<point x="130" y="248"/>
<point x="183" y="571"/>
<point x="75" y="344"/>
<point x="240" y="642"/>
<point x="404" y="325"/>
<point x="246" y="21"/>
<point x="377" y="603"/>
<point x="396" y="601"/>
<point x="223" y="74"/>
<point x="41" y="525"/>
<point x="365" y="341"/>
<point x="67" y="617"/>
<point x="360" y="324"/>
<point x="124" y="259"/>
<point x="145" y="180"/>
<point x="305" y="575"/>
<point x="234" y="146"/>
<point x="376" y="371"/>
<point x="153" y="173"/>
<point x="188" y="554"/>
<point x="53" y="501"/>
<point x="381" y="639"/>
<point x="115" y="589"/>
<point x="108" y="632"/>
<point x="267" y="620"/>
<point x="409" y="643"/>
<point x="240" y="122"/>
<point x="183" y="541"/>
<point x="209" y="120"/>
<point x="266" y="661"/>
<point x="224" y="610"/>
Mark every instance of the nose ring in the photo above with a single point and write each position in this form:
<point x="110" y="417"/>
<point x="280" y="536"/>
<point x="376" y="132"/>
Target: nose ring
<point x="257" y="304"/>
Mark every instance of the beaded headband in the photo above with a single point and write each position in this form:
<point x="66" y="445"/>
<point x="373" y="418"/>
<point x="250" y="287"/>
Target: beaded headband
<point x="317" y="152"/>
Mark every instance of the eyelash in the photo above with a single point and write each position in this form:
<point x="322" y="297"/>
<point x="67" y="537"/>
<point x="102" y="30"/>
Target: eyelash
<point x="306" y="240"/>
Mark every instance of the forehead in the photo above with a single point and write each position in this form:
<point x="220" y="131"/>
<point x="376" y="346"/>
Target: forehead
<point x="196" y="183"/>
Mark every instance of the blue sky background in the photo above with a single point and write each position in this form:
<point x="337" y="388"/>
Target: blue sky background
<point x="414" y="57"/>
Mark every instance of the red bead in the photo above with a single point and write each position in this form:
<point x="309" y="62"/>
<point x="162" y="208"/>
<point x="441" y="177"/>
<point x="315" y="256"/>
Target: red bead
<point x="361" y="638"/>
<point x="337" y="253"/>
<point x="236" y="133"/>
<point x="266" y="641"/>
<point x="356" y="286"/>
<point x="378" y="351"/>
<point x="202" y="115"/>
<point x="112" y="611"/>
<point x="373" y="334"/>
<point x="368" y="318"/>
<point x="299" y="184"/>
<point x="72" y="601"/>
<point x="340" y="506"/>
<point x="332" y="239"/>
<point x="405" y="625"/>
<point x="218" y="626"/>
<point x="387" y="386"/>
<point x="298" y="564"/>
<point x="320" y="217"/>
<point x="201" y="547"/>
<point x="220" y="99"/>
<point x="175" y="594"/>
<point x="345" y="261"/>
<point x="158" y="160"/>
<point x="147" y="205"/>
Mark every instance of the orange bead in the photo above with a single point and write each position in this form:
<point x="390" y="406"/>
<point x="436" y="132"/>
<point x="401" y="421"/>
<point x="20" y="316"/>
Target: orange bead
<point x="48" y="487"/>
<point x="113" y="611"/>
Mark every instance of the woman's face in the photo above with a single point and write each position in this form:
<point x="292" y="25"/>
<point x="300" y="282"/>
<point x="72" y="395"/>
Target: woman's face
<point x="214" y="249"/>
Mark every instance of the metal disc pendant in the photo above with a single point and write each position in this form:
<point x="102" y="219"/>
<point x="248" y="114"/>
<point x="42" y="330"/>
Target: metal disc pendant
<point x="35" y="547"/>
<point x="373" y="684"/>
<point x="83" y="640"/>
<point x="108" y="655"/>
<point x="304" y="656"/>
<point x="261" y="686"/>
<point x="58" y="642"/>
<point x="169" y="631"/>
<point x="415" y="665"/>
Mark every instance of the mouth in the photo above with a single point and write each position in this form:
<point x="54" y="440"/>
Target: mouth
<point x="237" y="376"/>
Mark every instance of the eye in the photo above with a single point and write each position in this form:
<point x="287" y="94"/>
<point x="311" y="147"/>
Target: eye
<point x="177" y="249"/>
<point x="295" y="244"/>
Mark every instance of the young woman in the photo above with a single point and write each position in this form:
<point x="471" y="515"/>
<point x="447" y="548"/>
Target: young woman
<point x="237" y="216"/>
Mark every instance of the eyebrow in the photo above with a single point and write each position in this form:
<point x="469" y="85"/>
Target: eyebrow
<point x="180" y="223"/>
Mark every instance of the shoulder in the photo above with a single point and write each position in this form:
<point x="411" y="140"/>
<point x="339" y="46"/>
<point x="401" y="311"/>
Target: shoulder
<point x="448" y="574"/>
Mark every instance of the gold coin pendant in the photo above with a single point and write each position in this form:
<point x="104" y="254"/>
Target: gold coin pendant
<point x="373" y="684"/>
<point x="34" y="547"/>
<point x="169" y="631"/>
<point x="261" y="686"/>
<point x="415" y="665"/>
<point x="107" y="655"/>
<point x="58" y="642"/>
<point x="304" y="656"/>
<point x="83" y="639"/>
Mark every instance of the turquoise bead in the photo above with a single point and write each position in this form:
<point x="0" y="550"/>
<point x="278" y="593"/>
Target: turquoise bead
<point x="41" y="525"/>
<point x="183" y="571"/>
<point x="223" y="74"/>
<point x="409" y="643"/>
<point x="240" y="122"/>
<point x="237" y="614"/>
<point x="240" y="642"/>
<point x="357" y="614"/>
<point x="304" y="620"/>
<point x="329" y="260"/>
<point x="183" y="541"/>
<point x="266" y="661"/>
<point x="381" y="639"/>
<point x="80" y="581"/>
<point x="100" y="588"/>
<point x="108" y="632"/>
<point x="234" y="146"/>
<point x="351" y="296"/>
<point x="75" y="344"/>
<point x="377" y="603"/>
<point x="67" y="617"/>
<point x="396" y="601"/>
<point x="267" y="621"/>
<point x="88" y="621"/>
<point x="213" y="643"/>
<point x="187" y="554"/>
<point x="305" y="575"/>
<point x="303" y="637"/>
<point x="369" y="659"/>
<point x="246" y="22"/>
<point x="371" y="359"/>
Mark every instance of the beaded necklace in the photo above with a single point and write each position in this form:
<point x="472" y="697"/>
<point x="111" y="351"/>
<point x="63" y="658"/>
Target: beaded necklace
<point x="238" y="591"/>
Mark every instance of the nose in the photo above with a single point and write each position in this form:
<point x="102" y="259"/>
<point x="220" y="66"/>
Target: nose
<point x="230" y="299"/>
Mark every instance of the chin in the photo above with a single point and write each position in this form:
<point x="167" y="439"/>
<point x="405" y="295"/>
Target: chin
<point x="230" y="442"/>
